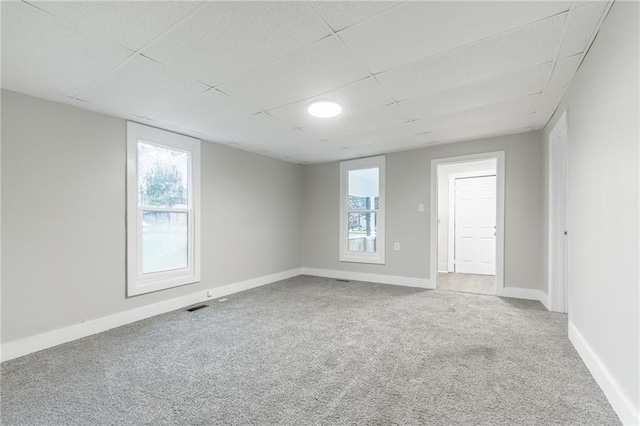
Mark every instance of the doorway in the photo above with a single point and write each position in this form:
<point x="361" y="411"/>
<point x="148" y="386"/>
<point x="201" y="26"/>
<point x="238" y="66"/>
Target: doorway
<point x="558" y="217"/>
<point x="468" y="202"/>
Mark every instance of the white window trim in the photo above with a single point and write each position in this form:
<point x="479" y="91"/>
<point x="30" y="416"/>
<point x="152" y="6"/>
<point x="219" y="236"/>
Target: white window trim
<point x="137" y="282"/>
<point x="348" y="256"/>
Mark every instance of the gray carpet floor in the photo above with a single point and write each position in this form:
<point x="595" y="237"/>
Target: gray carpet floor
<point x="311" y="350"/>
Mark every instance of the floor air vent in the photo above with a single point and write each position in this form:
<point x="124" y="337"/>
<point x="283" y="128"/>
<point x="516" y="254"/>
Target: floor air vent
<point x="343" y="281"/>
<point x="195" y="308"/>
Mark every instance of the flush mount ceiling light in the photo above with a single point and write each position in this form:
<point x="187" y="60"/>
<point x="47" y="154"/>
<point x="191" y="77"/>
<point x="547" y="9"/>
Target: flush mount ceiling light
<point x="324" y="109"/>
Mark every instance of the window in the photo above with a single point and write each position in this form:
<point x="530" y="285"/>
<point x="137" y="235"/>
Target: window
<point x="163" y="190"/>
<point x="362" y="210"/>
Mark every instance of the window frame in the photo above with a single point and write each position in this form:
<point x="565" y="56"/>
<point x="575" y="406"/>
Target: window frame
<point x="377" y="257"/>
<point x="137" y="282"/>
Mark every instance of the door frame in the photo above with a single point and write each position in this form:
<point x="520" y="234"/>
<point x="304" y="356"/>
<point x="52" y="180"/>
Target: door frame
<point x="558" y="278"/>
<point x="452" y="203"/>
<point x="500" y="188"/>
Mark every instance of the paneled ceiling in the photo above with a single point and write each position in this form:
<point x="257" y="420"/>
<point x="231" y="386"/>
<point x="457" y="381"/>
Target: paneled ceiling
<point x="407" y="74"/>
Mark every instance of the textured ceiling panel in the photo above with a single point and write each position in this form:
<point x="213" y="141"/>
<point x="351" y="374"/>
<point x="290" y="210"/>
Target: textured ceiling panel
<point x="225" y="39"/>
<point x="503" y="126"/>
<point x="525" y="47"/>
<point x="141" y="87"/>
<point x="325" y="155"/>
<point x="377" y="135"/>
<point x="206" y="112"/>
<point x="250" y="130"/>
<point x="322" y="67"/>
<point x="340" y="15"/>
<point x="45" y="57"/>
<point x="491" y="112"/>
<point x="412" y="142"/>
<point x="357" y="122"/>
<point x="548" y="105"/>
<point x="108" y="110"/>
<point x="564" y="71"/>
<point x="416" y="30"/>
<point x="130" y="24"/>
<point x="359" y="96"/>
<point x="580" y="27"/>
<point x="508" y="86"/>
<point x="243" y="73"/>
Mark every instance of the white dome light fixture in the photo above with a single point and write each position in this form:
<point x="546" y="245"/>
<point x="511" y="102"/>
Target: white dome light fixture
<point x="324" y="108"/>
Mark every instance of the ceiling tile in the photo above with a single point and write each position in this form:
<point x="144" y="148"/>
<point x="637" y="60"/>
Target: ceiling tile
<point x="551" y="98"/>
<point x="522" y="48"/>
<point x="580" y="26"/>
<point x="412" y="142"/>
<point x="416" y="30"/>
<point x="141" y="87"/>
<point x="377" y="135"/>
<point x="254" y="130"/>
<point x="225" y="39"/>
<point x="564" y="71"/>
<point x="503" y="126"/>
<point x="79" y="103"/>
<point x="326" y="155"/>
<point x="504" y="87"/>
<point x="130" y="24"/>
<point x="459" y="71"/>
<point x="203" y="113"/>
<point x="340" y="15"/>
<point x="322" y="67"/>
<point x="43" y="56"/>
<point x="485" y="113"/>
<point x="170" y="127"/>
<point x="354" y="98"/>
<point x="550" y="101"/>
<point x="357" y="122"/>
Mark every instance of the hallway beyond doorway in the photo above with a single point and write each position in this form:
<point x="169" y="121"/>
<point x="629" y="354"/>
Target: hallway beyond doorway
<point x="468" y="283"/>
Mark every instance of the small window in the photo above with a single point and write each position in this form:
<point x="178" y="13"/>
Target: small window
<point x="163" y="181"/>
<point x="362" y="210"/>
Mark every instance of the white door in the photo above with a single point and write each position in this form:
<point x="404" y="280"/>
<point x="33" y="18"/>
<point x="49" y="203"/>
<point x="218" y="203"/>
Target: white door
<point x="558" y="218"/>
<point x="475" y="225"/>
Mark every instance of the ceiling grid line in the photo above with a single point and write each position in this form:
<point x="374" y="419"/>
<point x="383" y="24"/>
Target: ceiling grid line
<point x="371" y="75"/>
<point x="557" y="54"/>
<point x="139" y="50"/>
<point x="582" y="54"/>
<point x="471" y="43"/>
<point x="407" y="73"/>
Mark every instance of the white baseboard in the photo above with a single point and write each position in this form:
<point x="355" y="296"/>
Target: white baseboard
<point x="18" y="348"/>
<point x="374" y="278"/>
<point x="520" y="293"/>
<point x="544" y="299"/>
<point x="618" y="400"/>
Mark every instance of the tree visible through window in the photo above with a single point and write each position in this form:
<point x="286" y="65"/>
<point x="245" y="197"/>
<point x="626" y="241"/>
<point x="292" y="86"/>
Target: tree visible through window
<point x="164" y="207"/>
<point x="163" y="181"/>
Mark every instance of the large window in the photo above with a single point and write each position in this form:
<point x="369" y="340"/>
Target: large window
<point x="362" y="210"/>
<point x="163" y="180"/>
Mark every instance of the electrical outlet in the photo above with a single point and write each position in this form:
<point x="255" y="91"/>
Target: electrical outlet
<point x="420" y="207"/>
<point x="396" y="246"/>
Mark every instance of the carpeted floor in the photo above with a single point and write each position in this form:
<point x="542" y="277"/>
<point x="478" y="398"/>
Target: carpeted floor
<point x="311" y="350"/>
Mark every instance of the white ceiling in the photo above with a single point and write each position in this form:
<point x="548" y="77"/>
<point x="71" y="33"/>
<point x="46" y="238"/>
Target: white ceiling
<point x="408" y="74"/>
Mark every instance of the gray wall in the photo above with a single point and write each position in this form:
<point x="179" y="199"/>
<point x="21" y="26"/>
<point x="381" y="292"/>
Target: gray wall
<point x="408" y="179"/>
<point x="602" y="116"/>
<point x="63" y="217"/>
